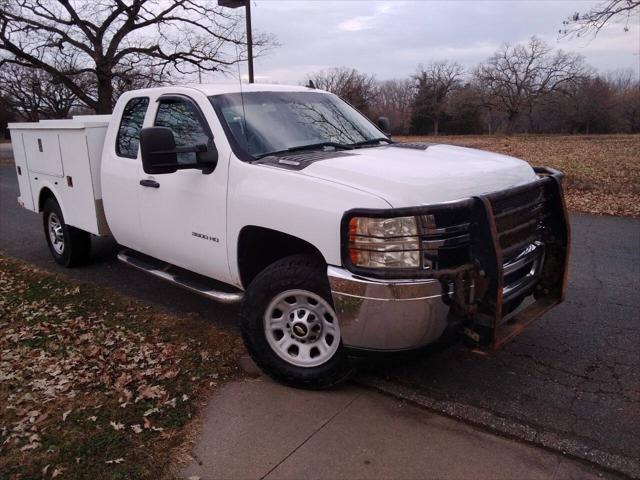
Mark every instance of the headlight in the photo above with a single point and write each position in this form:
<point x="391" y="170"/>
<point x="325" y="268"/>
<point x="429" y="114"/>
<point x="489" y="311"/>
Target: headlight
<point x="384" y="242"/>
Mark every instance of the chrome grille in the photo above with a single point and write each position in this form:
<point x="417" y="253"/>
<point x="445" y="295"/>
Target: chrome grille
<point x="443" y="243"/>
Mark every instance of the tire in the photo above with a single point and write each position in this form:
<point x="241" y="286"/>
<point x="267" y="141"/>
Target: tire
<point x="68" y="245"/>
<point x="309" y="325"/>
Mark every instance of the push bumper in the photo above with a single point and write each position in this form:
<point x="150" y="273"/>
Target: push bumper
<point x="387" y="315"/>
<point x="519" y="250"/>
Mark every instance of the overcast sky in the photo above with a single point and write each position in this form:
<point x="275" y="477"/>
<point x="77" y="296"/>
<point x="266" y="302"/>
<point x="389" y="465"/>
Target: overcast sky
<point x="390" y="38"/>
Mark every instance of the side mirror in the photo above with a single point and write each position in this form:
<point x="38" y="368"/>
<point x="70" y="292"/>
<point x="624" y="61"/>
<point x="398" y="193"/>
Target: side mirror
<point x="384" y="125"/>
<point x="160" y="154"/>
<point x="157" y="148"/>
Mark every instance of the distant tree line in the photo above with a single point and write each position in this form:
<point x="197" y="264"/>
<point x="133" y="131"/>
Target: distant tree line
<point x="525" y="88"/>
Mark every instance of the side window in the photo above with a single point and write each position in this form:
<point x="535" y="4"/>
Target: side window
<point x="186" y="123"/>
<point x="130" y="126"/>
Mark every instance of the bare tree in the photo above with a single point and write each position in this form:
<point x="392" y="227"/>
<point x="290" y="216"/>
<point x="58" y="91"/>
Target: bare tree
<point x="516" y="77"/>
<point x="434" y="84"/>
<point x="107" y="39"/>
<point x="32" y="94"/>
<point x="591" y="22"/>
<point x="394" y="99"/>
<point x="359" y="89"/>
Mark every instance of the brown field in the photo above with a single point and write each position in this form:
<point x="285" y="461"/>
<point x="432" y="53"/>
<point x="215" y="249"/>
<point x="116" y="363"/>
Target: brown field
<point x="602" y="171"/>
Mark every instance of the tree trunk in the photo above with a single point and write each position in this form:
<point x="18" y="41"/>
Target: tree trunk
<point x="436" y="122"/>
<point x="511" y="118"/>
<point x="105" y="94"/>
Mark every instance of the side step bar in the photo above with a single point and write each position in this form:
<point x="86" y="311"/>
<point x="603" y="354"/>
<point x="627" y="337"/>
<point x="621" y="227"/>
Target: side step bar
<point x="207" y="287"/>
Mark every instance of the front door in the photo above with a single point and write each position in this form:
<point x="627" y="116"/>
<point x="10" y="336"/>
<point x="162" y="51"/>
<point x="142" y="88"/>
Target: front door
<point x="183" y="214"/>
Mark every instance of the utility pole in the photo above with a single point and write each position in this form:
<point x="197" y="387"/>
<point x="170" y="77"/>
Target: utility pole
<point x="247" y="9"/>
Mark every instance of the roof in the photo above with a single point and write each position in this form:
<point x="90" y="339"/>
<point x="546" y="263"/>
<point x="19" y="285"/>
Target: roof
<point x="217" y="89"/>
<point x="78" y="122"/>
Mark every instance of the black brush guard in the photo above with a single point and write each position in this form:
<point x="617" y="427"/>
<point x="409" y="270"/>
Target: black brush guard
<point x="503" y="224"/>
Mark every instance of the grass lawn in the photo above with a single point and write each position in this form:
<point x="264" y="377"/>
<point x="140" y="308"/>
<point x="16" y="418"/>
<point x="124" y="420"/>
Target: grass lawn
<point x="93" y="385"/>
<point x="602" y="171"/>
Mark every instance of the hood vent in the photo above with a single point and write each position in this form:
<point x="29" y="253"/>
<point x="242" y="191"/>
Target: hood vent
<point x="414" y="146"/>
<point x="298" y="161"/>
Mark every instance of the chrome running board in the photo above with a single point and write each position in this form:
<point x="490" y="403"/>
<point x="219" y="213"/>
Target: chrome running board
<point x="207" y="287"/>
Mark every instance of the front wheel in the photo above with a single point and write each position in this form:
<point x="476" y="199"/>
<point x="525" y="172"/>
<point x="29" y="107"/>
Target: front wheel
<point x="290" y="328"/>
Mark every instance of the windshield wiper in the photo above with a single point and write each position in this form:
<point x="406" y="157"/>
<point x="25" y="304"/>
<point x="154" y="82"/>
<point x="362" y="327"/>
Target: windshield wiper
<point x="372" y="141"/>
<point x="311" y="146"/>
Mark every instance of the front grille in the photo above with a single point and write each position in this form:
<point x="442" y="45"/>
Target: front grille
<point x="445" y="239"/>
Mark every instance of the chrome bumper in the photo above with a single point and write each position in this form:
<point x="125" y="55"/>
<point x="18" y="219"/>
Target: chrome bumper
<point x="387" y="315"/>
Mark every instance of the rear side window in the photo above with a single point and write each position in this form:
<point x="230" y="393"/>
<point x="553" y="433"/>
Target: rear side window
<point x="130" y="126"/>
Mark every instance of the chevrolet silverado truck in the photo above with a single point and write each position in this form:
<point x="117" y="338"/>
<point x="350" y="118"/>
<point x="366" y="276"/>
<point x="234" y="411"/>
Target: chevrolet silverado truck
<point x="335" y="239"/>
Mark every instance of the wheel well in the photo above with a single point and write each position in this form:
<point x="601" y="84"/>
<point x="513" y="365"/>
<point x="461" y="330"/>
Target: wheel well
<point x="259" y="247"/>
<point x="45" y="194"/>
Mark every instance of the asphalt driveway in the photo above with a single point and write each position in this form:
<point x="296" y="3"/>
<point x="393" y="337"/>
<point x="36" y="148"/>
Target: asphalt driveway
<point x="570" y="383"/>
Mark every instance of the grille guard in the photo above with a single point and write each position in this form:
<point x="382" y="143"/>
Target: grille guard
<point x="502" y="225"/>
<point x="490" y="323"/>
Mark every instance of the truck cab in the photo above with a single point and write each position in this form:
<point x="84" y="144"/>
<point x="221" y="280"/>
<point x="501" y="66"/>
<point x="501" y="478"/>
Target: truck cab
<point x="335" y="239"/>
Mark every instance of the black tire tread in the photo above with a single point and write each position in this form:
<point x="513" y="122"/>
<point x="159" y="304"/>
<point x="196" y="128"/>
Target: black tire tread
<point x="304" y="270"/>
<point x="77" y="242"/>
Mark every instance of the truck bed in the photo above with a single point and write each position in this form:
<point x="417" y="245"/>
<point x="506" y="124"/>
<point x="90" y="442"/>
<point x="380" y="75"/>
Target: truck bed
<point x="64" y="157"/>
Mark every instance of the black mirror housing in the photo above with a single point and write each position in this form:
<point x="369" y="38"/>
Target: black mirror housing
<point x="384" y="125"/>
<point x="157" y="148"/>
<point x="160" y="154"/>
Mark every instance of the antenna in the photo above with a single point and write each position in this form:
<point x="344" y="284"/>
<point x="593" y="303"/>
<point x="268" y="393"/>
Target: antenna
<point x="244" y="114"/>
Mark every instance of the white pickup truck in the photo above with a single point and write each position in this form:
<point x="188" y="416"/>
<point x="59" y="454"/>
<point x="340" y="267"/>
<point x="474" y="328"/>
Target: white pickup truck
<point x="335" y="239"/>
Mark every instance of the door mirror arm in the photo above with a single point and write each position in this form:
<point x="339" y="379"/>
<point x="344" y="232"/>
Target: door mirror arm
<point x="384" y="125"/>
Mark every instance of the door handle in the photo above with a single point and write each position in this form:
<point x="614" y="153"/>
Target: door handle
<point x="149" y="183"/>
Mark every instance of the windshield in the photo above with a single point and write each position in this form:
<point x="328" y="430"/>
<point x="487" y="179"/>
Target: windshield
<point x="273" y="122"/>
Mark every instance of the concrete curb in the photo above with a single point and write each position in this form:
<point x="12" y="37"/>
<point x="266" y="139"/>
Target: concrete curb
<point x="487" y="420"/>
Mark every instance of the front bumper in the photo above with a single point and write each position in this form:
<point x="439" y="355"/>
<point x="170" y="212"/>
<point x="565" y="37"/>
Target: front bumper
<point x="519" y="248"/>
<point x="387" y="315"/>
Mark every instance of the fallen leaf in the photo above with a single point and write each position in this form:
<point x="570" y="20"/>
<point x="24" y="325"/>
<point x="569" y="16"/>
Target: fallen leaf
<point x="116" y="426"/>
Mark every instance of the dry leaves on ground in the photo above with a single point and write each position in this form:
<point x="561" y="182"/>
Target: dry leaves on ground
<point x="93" y="385"/>
<point x="602" y="171"/>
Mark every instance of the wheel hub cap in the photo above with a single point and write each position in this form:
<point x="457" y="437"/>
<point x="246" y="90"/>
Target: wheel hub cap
<point x="302" y="328"/>
<point x="56" y="235"/>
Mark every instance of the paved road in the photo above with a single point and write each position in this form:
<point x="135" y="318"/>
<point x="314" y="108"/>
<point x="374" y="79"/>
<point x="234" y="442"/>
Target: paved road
<point x="571" y="382"/>
<point x="6" y="153"/>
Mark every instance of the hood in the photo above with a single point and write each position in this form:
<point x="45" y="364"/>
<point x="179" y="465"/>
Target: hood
<point x="407" y="177"/>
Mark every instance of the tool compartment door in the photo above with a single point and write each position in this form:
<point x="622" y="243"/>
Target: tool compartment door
<point x="42" y="148"/>
<point x="22" y="171"/>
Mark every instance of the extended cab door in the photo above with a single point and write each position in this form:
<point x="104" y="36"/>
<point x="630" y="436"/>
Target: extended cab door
<point x="183" y="214"/>
<point x="120" y="170"/>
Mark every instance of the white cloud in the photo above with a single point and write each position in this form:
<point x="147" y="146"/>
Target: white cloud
<point x="357" y="24"/>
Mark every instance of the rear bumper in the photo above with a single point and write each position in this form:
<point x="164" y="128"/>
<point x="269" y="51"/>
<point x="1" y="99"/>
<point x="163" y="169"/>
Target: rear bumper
<point x="387" y="315"/>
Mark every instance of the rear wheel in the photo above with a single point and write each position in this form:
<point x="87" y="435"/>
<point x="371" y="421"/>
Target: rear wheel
<point x="290" y="328"/>
<point x="68" y="245"/>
